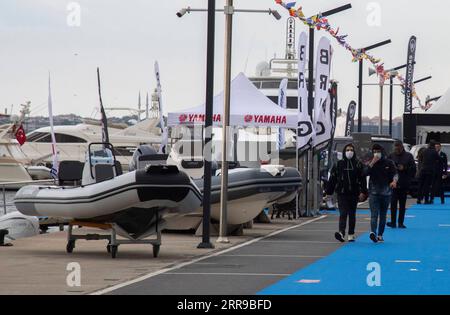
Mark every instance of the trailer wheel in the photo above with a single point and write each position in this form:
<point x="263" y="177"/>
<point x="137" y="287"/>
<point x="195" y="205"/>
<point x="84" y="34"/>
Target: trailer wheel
<point x="156" y="249"/>
<point x="113" y="250"/>
<point x="70" y="246"/>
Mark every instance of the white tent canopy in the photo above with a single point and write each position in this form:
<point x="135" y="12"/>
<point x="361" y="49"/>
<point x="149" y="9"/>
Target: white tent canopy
<point x="249" y="108"/>
<point x="442" y="106"/>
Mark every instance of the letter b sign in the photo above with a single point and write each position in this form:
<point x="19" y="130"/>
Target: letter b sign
<point x="324" y="57"/>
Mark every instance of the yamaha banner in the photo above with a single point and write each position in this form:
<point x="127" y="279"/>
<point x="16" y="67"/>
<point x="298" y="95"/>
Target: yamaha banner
<point x="410" y="74"/>
<point x="282" y="102"/>
<point x="350" y="124"/>
<point x="322" y="101"/>
<point x="305" y="131"/>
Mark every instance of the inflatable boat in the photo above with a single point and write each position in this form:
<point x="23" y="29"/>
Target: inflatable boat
<point x="135" y="202"/>
<point x="251" y="190"/>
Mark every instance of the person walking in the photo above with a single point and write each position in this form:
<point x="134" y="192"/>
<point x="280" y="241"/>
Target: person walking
<point x="406" y="168"/>
<point x="383" y="178"/>
<point x="347" y="179"/>
<point x="430" y="160"/>
<point x="441" y="174"/>
<point x="419" y="171"/>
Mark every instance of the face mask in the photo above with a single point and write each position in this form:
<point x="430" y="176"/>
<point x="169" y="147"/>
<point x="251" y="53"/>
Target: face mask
<point x="377" y="155"/>
<point x="349" y="154"/>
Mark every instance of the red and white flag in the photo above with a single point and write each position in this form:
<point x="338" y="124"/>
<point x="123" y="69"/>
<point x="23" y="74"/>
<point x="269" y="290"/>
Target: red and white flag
<point x="21" y="137"/>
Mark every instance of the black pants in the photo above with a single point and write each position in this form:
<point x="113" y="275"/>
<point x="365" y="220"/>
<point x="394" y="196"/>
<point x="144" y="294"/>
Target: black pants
<point x="398" y="201"/>
<point x="439" y="188"/>
<point x="347" y="210"/>
<point x="425" y="186"/>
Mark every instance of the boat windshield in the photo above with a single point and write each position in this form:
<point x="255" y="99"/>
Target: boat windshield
<point x="45" y="137"/>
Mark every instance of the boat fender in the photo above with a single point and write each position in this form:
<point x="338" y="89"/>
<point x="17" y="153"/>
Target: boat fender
<point x="161" y="169"/>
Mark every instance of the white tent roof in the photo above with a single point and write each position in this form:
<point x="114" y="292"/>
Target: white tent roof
<point x="249" y="108"/>
<point x="442" y="106"/>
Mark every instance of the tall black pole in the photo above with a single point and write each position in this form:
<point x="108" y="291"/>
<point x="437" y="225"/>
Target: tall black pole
<point x="206" y="242"/>
<point x="360" y="95"/>
<point x="310" y="157"/>
<point x="311" y="72"/>
<point x="391" y="103"/>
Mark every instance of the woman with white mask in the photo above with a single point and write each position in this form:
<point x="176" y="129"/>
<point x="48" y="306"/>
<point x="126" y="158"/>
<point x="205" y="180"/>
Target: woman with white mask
<point x="348" y="181"/>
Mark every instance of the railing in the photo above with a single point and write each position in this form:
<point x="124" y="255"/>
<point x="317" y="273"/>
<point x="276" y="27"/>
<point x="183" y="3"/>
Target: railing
<point x="5" y="186"/>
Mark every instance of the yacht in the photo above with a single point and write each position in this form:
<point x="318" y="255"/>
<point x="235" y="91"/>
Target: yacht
<point x="268" y="76"/>
<point x="12" y="158"/>
<point x="72" y="141"/>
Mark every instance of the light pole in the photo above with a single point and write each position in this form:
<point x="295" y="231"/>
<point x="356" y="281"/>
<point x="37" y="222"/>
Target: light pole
<point x="360" y="84"/>
<point x="226" y="122"/>
<point x="275" y="13"/>
<point x="393" y="72"/>
<point x="229" y="11"/>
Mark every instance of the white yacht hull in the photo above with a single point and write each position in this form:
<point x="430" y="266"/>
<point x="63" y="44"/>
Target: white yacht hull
<point x="12" y="171"/>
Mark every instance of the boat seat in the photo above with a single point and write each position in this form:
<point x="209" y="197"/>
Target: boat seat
<point x="103" y="172"/>
<point x="119" y="169"/>
<point x="192" y="164"/>
<point x="70" y="172"/>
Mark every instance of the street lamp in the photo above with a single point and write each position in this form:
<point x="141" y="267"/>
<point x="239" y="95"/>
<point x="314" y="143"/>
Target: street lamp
<point x="206" y="243"/>
<point x="274" y="13"/>
<point x="360" y="84"/>
<point x="229" y="11"/>
<point x="393" y="73"/>
<point x="183" y="11"/>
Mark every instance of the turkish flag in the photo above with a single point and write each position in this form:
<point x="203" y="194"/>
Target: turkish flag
<point x="21" y="136"/>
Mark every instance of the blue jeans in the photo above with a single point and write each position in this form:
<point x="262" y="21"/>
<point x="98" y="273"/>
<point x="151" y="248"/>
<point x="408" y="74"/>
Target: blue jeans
<point x="379" y="207"/>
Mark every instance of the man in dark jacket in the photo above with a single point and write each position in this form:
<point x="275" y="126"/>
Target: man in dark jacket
<point x="441" y="174"/>
<point x="383" y="178"/>
<point x="347" y="179"/>
<point x="430" y="158"/>
<point x="406" y="168"/>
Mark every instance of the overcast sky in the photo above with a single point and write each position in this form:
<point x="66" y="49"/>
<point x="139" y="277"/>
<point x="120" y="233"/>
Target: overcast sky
<point x="124" y="38"/>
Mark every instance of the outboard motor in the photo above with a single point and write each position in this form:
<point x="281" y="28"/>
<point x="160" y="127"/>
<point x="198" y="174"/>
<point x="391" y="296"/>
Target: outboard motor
<point x="146" y="155"/>
<point x="100" y="164"/>
<point x="142" y="150"/>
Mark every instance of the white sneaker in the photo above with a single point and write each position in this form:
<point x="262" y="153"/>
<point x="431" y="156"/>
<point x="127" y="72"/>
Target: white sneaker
<point x="351" y="238"/>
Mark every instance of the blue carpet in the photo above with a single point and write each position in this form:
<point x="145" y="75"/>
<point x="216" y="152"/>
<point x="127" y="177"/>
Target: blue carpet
<point x="427" y="240"/>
